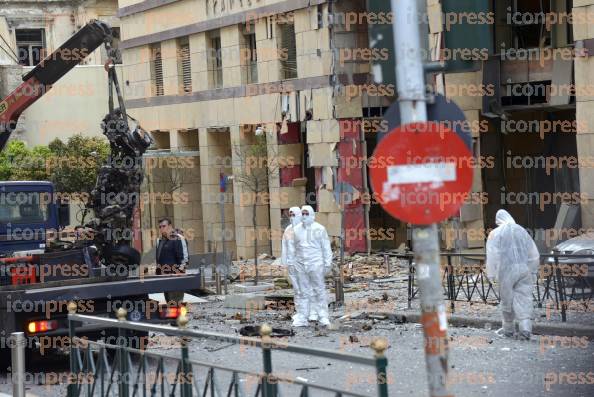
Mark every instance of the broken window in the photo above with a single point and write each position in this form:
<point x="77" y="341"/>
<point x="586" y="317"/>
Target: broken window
<point x="529" y="24"/>
<point x="157" y="69"/>
<point x="320" y="16"/>
<point x="288" y="51"/>
<point x="184" y="69"/>
<point x="525" y="24"/>
<point x="30" y="46"/>
<point x="562" y="30"/>
<point x="215" y="61"/>
<point x="250" y="55"/>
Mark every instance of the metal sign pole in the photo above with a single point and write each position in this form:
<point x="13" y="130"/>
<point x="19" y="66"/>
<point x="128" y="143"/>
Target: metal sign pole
<point x="411" y="92"/>
<point x="340" y="278"/>
<point x="222" y="199"/>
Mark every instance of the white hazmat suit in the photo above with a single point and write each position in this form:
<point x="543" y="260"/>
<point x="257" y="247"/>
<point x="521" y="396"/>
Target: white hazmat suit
<point x="288" y="254"/>
<point x="313" y="259"/>
<point x="513" y="260"/>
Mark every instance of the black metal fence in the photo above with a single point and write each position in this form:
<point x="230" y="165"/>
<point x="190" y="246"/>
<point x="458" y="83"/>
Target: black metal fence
<point x="561" y="279"/>
<point x="93" y="372"/>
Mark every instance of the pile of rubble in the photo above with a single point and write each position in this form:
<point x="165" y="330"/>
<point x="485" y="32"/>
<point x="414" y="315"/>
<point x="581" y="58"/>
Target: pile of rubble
<point x="268" y="266"/>
<point x="372" y="266"/>
<point x="358" y="266"/>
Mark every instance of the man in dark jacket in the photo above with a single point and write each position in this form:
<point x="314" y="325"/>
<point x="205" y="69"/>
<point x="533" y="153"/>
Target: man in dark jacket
<point x="170" y="256"/>
<point x="170" y="251"/>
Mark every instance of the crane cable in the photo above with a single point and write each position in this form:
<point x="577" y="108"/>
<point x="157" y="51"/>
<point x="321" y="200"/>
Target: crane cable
<point x="16" y="57"/>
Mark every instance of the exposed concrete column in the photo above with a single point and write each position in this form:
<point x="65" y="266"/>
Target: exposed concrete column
<point x="268" y="58"/>
<point x="472" y="219"/>
<point x="215" y="149"/>
<point x="245" y="197"/>
<point x="173" y="140"/>
<point x="199" y="62"/>
<point x="584" y="75"/>
<point x="275" y="214"/>
<point x="187" y="204"/>
<point x="206" y="178"/>
<point x="169" y="56"/>
<point x="230" y="53"/>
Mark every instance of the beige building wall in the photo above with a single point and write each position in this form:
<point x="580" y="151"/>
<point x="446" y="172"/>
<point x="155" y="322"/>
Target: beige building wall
<point x="58" y="19"/>
<point x="6" y="48"/>
<point x="76" y="104"/>
<point x="127" y="3"/>
<point x="183" y="12"/>
<point x="78" y="101"/>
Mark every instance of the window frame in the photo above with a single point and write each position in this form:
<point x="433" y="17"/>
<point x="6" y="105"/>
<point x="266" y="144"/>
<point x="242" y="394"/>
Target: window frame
<point x="250" y="66"/>
<point x="156" y="62"/>
<point x="184" y="65"/>
<point x="29" y="45"/>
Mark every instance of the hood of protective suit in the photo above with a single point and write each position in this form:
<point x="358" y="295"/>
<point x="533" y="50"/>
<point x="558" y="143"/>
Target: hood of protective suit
<point x="510" y="249"/>
<point x="311" y="217"/>
<point x="503" y="217"/>
<point x="296" y="219"/>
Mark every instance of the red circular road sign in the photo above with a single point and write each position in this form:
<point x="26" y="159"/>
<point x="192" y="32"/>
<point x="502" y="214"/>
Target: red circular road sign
<point x="421" y="173"/>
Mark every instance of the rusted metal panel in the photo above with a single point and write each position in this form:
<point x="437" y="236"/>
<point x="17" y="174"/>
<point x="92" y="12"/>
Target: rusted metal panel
<point x="351" y="154"/>
<point x="293" y="135"/>
<point x="288" y="174"/>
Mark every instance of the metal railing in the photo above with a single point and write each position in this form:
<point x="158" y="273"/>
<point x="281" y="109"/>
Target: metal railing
<point x="469" y="281"/>
<point x="95" y="374"/>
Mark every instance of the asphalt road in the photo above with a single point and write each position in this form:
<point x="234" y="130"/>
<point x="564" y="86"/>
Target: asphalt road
<point x="481" y="364"/>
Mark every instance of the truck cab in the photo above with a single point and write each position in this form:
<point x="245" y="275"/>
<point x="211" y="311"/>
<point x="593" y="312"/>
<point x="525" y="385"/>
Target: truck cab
<point x="29" y="214"/>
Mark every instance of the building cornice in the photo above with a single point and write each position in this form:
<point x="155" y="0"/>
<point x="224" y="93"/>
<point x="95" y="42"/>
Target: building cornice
<point x="143" y="6"/>
<point x="283" y="86"/>
<point x="233" y="92"/>
<point x="220" y="22"/>
<point x="29" y="3"/>
<point x="14" y="21"/>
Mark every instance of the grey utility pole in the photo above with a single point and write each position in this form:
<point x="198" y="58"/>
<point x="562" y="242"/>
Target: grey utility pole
<point x="222" y="201"/>
<point x="410" y="77"/>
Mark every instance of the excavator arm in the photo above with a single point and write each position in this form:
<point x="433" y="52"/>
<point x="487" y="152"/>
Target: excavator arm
<point x="41" y="78"/>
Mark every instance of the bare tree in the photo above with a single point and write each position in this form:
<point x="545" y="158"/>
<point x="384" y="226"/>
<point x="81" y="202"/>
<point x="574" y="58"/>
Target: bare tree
<point x="177" y="179"/>
<point x="257" y="163"/>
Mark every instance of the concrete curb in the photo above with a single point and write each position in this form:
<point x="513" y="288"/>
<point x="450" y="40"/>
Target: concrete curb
<point x="562" y="329"/>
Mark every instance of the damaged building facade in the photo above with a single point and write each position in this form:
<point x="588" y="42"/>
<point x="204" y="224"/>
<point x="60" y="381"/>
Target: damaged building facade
<point x="529" y="105"/>
<point x="208" y="77"/>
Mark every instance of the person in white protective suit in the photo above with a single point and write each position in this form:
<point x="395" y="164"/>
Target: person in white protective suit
<point x="288" y="259"/>
<point x="313" y="259"/>
<point x="513" y="260"/>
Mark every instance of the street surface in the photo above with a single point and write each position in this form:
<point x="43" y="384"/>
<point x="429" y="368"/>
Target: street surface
<point x="481" y="363"/>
